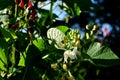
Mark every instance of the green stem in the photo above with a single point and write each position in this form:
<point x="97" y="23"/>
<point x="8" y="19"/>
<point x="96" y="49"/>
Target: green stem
<point x="15" y="10"/>
<point x="58" y="75"/>
<point x="25" y="73"/>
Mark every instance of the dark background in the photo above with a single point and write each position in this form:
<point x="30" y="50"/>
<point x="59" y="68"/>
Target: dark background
<point x="107" y="11"/>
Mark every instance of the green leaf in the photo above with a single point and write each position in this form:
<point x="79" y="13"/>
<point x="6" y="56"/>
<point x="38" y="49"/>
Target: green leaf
<point x="12" y="32"/>
<point x="106" y="62"/>
<point x="77" y="9"/>
<point x="3" y="54"/>
<point x="23" y="57"/>
<point x="3" y="59"/>
<point x="6" y="34"/>
<point x="9" y="35"/>
<point x="102" y="56"/>
<point x="98" y="51"/>
<point x="84" y="5"/>
<point x="39" y="43"/>
<point x="63" y="28"/>
<point x="5" y="3"/>
<point x="1" y="78"/>
<point x="12" y="54"/>
<point x="30" y="56"/>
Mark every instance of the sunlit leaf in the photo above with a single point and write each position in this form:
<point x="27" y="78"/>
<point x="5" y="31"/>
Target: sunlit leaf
<point x="98" y="51"/>
<point x="62" y="28"/>
<point x="39" y="43"/>
<point x="3" y="54"/>
<point x="102" y="56"/>
<point x="77" y="9"/>
<point x="23" y="57"/>
<point x="29" y="57"/>
<point x="22" y="60"/>
<point x="3" y="59"/>
<point x="12" y="55"/>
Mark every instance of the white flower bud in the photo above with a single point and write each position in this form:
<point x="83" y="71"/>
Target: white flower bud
<point x="88" y="27"/>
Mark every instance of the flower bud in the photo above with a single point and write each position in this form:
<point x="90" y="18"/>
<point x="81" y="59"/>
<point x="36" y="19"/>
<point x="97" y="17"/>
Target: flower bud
<point x="64" y="66"/>
<point x="88" y="27"/>
<point x="77" y="43"/>
<point x="65" y="39"/>
<point x="87" y="36"/>
<point x="16" y="1"/>
<point x="94" y="27"/>
<point x="54" y="66"/>
<point x="22" y="4"/>
<point x="76" y="31"/>
<point x="91" y="33"/>
<point x="78" y="36"/>
<point x="73" y="41"/>
<point x="30" y="4"/>
<point x="72" y="32"/>
<point x="33" y="14"/>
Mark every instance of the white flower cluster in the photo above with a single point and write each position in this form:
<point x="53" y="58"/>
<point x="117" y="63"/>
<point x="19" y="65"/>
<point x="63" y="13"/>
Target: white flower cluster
<point x="71" y="54"/>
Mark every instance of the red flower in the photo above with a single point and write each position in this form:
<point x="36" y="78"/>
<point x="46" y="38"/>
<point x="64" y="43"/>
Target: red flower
<point x="30" y="4"/>
<point x="16" y="1"/>
<point x="15" y="26"/>
<point x="33" y="14"/>
<point x="107" y="32"/>
<point x="22" y="4"/>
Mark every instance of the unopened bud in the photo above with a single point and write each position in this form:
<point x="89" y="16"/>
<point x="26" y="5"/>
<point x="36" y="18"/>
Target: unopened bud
<point x="72" y="32"/>
<point x="65" y="39"/>
<point x="16" y="1"/>
<point x="76" y="31"/>
<point x="91" y="33"/>
<point x="64" y="66"/>
<point x="54" y="66"/>
<point x="94" y="27"/>
<point x="22" y="4"/>
<point x="77" y="43"/>
<point x="78" y="36"/>
<point x="87" y="36"/>
<point x="73" y="41"/>
<point x="88" y="26"/>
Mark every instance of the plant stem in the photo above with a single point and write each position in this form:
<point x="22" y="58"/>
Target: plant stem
<point x="25" y="73"/>
<point x="15" y="10"/>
